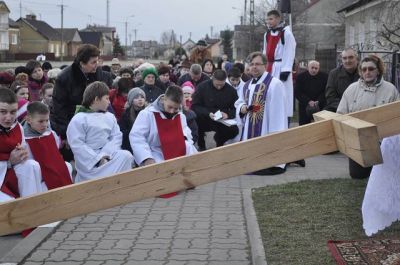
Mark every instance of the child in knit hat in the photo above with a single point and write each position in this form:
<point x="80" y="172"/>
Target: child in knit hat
<point x="188" y="90"/>
<point x="136" y="101"/>
<point x="22" y="92"/>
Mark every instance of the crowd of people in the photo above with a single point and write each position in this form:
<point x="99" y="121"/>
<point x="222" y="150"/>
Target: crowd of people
<point x="84" y="121"/>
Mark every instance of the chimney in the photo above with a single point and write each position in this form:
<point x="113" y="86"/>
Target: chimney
<point x="31" y="16"/>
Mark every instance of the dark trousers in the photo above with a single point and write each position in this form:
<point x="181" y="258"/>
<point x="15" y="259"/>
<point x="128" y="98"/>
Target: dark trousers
<point x="222" y="132"/>
<point x="357" y="171"/>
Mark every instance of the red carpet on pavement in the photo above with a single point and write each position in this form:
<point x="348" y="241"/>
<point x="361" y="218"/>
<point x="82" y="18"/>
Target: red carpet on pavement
<point x="368" y="252"/>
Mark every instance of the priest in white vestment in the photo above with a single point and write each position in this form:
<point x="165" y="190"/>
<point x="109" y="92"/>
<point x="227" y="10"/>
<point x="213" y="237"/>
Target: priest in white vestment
<point x="262" y="105"/>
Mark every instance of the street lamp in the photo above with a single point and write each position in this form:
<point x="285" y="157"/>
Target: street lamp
<point x="126" y="30"/>
<point x="135" y="30"/>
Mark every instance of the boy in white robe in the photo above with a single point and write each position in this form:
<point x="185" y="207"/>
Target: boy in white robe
<point x="95" y="138"/>
<point x="145" y="135"/>
<point x="262" y="106"/>
<point x="160" y="131"/>
<point x="280" y="49"/>
<point x="19" y="176"/>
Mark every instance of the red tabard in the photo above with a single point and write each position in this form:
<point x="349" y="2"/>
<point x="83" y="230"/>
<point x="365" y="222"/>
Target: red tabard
<point x="54" y="170"/>
<point x="172" y="140"/>
<point x="272" y="42"/>
<point x="8" y="143"/>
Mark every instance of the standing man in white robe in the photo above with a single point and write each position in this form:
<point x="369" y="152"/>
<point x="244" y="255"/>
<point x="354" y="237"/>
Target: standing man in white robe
<point x="280" y="49"/>
<point x="262" y="106"/>
<point x="95" y="138"/>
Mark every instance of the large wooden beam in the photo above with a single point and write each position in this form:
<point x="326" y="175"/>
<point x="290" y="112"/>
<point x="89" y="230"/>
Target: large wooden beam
<point x="385" y="117"/>
<point x="177" y="174"/>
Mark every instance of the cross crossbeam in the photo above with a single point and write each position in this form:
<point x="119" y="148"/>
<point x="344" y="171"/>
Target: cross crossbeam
<point x="357" y="138"/>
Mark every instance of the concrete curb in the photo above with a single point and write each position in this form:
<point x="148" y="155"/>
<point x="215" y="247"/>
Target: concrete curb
<point x="255" y="240"/>
<point x="24" y="248"/>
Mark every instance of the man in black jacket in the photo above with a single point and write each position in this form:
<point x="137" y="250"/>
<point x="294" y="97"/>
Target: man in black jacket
<point x="310" y="91"/>
<point x="340" y="78"/>
<point x="195" y="75"/>
<point x="212" y="96"/>
<point x="70" y="85"/>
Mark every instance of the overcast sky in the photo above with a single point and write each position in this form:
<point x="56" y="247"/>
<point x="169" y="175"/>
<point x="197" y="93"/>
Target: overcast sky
<point x="151" y="17"/>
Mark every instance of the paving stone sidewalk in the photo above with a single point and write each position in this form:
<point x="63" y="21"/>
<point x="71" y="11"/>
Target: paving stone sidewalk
<point x="198" y="227"/>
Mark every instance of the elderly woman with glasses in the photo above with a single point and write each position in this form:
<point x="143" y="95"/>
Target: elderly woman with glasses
<point x="369" y="91"/>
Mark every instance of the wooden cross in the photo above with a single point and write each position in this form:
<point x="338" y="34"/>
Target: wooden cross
<point x="356" y="135"/>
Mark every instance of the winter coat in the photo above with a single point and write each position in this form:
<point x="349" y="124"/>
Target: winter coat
<point x="35" y="86"/>
<point x="68" y="92"/>
<point x="358" y="96"/>
<point x="338" y="81"/>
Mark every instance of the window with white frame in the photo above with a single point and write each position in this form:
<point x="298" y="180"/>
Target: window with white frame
<point x="14" y="38"/>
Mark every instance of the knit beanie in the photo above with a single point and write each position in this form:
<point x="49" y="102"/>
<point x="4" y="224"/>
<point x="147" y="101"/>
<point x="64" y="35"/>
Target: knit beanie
<point x="134" y="93"/>
<point x="149" y="71"/>
<point x="188" y="87"/>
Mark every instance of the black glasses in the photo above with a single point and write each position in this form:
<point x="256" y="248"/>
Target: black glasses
<point x="370" y="69"/>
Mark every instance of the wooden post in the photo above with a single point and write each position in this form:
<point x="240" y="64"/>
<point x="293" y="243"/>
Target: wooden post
<point x="205" y="167"/>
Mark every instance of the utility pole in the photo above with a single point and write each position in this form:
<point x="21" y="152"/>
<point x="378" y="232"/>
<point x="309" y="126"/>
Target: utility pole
<point x="126" y="33"/>
<point x="108" y="13"/>
<point x="190" y="35"/>
<point x="135" y="30"/>
<point x="212" y="29"/>
<point x="20" y="8"/>
<point x="252" y="25"/>
<point x="62" y="30"/>
<point x="245" y="12"/>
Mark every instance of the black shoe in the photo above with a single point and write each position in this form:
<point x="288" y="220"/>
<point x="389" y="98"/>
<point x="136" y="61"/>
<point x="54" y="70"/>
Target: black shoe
<point x="202" y="148"/>
<point x="270" y="171"/>
<point x="301" y="163"/>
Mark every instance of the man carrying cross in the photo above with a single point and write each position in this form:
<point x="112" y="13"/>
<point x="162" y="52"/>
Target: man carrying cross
<point x="262" y="105"/>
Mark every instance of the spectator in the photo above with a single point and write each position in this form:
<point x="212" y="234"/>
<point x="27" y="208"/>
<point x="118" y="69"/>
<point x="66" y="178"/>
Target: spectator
<point x="310" y="91"/>
<point x="195" y="75"/>
<point x="370" y="91"/>
<point x="46" y="94"/>
<point x="212" y="96"/>
<point x="135" y="103"/>
<point x="163" y="78"/>
<point x="36" y="79"/>
<point x="119" y="95"/>
<point x="340" y="78"/>
<point x="69" y="88"/>
<point x="52" y="75"/>
<point x="46" y="67"/>
<point x="200" y="53"/>
<point x="150" y="89"/>
<point x="208" y="67"/>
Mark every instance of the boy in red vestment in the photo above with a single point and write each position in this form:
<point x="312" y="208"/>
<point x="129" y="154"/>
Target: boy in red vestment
<point x="19" y="176"/>
<point x="43" y="146"/>
<point x="160" y="131"/>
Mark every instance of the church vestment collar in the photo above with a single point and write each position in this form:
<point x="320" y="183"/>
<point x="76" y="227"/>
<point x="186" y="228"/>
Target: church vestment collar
<point x="7" y="130"/>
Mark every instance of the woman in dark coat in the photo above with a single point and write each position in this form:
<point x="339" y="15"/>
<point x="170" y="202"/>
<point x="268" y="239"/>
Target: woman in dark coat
<point x="69" y="88"/>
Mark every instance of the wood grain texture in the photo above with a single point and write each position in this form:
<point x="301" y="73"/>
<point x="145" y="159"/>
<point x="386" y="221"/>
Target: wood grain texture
<point x="169" y="176"/>
<point x="178" y="174"/>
